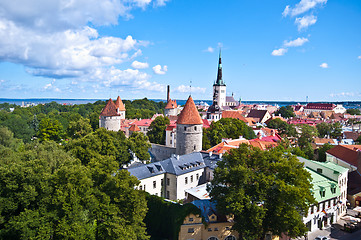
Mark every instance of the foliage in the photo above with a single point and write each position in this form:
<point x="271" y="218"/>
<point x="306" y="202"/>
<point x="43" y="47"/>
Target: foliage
<point x="286" y="112"/>
<point x="353" y="111"/>
<point x="305" y="139"/>
<point x="7" y="139"/>
<point x="226" y="128"/>
<point x="79" y="128"/>
<point x="322" y="152"/>
<point x="264" y="190"/>
<point x="50" y="129"/>
<point x="139" y="145"/>
<point x="284" y="129"/>
<point x="358" y="140"/>
<point x="47" y="194"/>
<point x="164" y="219"/>
<point x="18" y="125"/>
<point x="333" y="130"/>
<point x="156" y="133"/>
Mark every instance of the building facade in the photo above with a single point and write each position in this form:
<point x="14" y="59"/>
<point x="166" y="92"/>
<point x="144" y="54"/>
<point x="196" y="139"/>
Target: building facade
<point x="112" y="114"/>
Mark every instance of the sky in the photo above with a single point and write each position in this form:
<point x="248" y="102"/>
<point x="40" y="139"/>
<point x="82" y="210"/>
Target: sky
<point x="281" y="50"/>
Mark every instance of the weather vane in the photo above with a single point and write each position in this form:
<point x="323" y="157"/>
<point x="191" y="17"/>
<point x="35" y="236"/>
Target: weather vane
<point x="190" y="88"/>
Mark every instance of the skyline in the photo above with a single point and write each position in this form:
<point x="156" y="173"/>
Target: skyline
<point x="280" y="51"/>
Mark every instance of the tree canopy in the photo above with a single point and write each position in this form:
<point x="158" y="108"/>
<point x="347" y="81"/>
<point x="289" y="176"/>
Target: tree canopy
<point x="156" y="133"/>
<point x="353" y="111"/>
<point x="265" y="191"/>
<point x="284" y="129"/>
<point x="285" y="111"/>
<point x="225" y="128"/>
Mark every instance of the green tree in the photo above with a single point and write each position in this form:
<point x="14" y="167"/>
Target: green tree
<point x="286" y="112"/>
<point x="265" y="191"/>
<point x="156" y="133"/>
<point x="305" y="139"/>
<point x="7" y="139"/>
<point x="353" y="111"/>
<point x="19" y="126"/>
<point x="358" y="140"/>
<point x="50" y="129"/>
<point x="139" y="145"/>
<point x="322" y="152"/>
<point x="79" y="128"/>
<point x="283" y="128"/>
<point x="226" y="128"/>
<point x="336" y="130"/>
<point x="324" y="129"/>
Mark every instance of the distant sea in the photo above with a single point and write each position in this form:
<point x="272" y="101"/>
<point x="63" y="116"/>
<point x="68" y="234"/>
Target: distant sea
<point x="346" y="104"/>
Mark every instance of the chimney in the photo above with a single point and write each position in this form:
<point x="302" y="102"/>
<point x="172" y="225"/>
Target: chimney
<point x="210" y="153"/>
<point x="177" y="157"/>
<point x="168" y="91"/>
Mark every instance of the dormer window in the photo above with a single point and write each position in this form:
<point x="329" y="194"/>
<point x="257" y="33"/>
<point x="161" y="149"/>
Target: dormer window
<point x="322" y="192"/>
<point x="319" y="170"/>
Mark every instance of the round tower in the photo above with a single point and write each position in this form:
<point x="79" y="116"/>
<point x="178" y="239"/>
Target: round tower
<point x="111" y="115"/>
<point x="189" y="129"/>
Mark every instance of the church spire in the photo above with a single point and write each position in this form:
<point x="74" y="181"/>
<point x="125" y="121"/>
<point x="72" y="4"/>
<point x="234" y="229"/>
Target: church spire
<point x="219" y="81"/>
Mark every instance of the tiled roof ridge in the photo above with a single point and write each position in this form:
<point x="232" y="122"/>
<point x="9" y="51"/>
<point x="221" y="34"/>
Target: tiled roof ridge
<point x="110" y="109"/>
<point x="189" y="114"/>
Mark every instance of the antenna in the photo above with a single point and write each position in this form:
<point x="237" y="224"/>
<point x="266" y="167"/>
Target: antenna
<point x="190" y="88"/>
<point x="306" y="99"/>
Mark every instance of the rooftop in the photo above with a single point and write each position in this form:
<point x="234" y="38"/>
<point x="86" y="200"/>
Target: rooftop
<point x="189" y="114"/>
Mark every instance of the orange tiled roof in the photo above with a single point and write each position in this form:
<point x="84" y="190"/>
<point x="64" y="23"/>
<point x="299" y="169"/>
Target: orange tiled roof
<point x="171" y="104"/>
<point x="189" y="114"/>
<point x="110" y="109"/>
<point x="119" y="104"/>
<point x="234" y="114"/>
<point x="134" y="128"/>
<point x="347" y="153"/>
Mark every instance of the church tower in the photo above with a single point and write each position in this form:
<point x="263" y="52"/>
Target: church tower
<point x="219" y="87"/>
<point x="112" y="114"/>
<point x="214" y="112"/>
<point x="189" y="129"/>
<point x="120" y="108"/>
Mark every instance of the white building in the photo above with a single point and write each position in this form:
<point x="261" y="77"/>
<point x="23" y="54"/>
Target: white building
<point x="330" y="191"/>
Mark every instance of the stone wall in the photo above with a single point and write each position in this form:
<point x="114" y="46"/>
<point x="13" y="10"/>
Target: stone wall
<point x="161" y="152"/>
<point x="189" y="138"/>
<point x="111" y="123"/>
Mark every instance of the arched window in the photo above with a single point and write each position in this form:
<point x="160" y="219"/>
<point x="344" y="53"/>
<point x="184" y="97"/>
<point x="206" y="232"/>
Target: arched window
<point x="185" y="128"/>
<point x="195" y="128"/>
<point x="230" y="238"/>
<point x="213" y="238"/>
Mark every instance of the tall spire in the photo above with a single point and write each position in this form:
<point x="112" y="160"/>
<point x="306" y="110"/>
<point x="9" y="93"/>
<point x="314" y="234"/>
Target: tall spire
<point x="219" y="81"/>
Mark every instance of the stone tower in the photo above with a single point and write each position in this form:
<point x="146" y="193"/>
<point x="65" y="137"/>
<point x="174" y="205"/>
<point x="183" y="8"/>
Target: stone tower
<point x="189" y="129"/>
<point x="112" y="114"/>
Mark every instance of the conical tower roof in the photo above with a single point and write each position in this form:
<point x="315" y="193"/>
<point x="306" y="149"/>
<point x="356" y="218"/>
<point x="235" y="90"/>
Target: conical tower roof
<point x="110" y="109"/>
<point x="119" y="104"/>
<point x="171" y="104"/>
<point x="189" y="114"/>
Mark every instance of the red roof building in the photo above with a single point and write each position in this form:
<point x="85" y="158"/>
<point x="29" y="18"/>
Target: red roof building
<point x="344" y="155"/>
<point x="110" y="109"/>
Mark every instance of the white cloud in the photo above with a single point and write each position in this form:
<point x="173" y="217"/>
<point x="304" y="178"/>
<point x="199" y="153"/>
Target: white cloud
<point x="188" y="89"/>
<point x="157" y="69"/>
<point x="130" y="78"/>
<point x="359" y="57"/>
<point x="51" y="87"/>
<point x="302" y="7"/>
<point x="140" y="65"/>
<point x="324" y="65"/>
<point x="279" y="52"/>
<point x="345" y="94"/>
<point x="161" y="2"/>
<point x="295" y="43"/>
<point x="305" y="22"/>
<point x="209" y="49"/>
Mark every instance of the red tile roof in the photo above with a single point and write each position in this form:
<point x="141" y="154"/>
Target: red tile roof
<point x="171" y="104"/>
<point x="347" y="153"/>
<point x="351" y="135"/>
<point x="134" y="128"/>
<point x="320" y="106"/>
<point x="189" y="114"/>
<point x="119" y="104"/>
<point x="234" y="114"/>
<point x="110" y="109"/>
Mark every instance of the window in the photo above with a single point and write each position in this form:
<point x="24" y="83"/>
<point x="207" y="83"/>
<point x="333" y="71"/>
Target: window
<point x="191" y="178"/>
<point x="195" y="128"/>
<point x="209" y="229"/>
<point x="319" y="170"/>
<point x="154" y="184"/>
<point x="190" y="230"/>
<point x="168" y="181"/>
<point x="318" y="207"/>
<point x="191" y="219"/>
<point x="215" y="229"/>
<point x="186" y="180"/>
<point x="140" y="187"/>
<point x="194" y="147"/>
<point x="312" y="209"/>
<point x="144" y="187"/>
<point x="197" y="176"/>
<point x="323" y="193"/>
<point x="329" y="204"/>
<point x="167" y="196"/>
<point x="227" y="228"/>
<point x="185" y="128"/>
<point x="170" y="141"/>
<point x="161" y="182"/>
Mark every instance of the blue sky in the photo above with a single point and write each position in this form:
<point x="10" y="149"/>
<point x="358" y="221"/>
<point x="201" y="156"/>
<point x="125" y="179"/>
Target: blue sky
<point x="271" y="50"/>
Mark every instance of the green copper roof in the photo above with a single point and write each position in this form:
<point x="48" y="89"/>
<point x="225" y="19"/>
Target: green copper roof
<point x="320" y="184"/>
<point x="219" y="81"/>
<point x="331" y="166"/>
